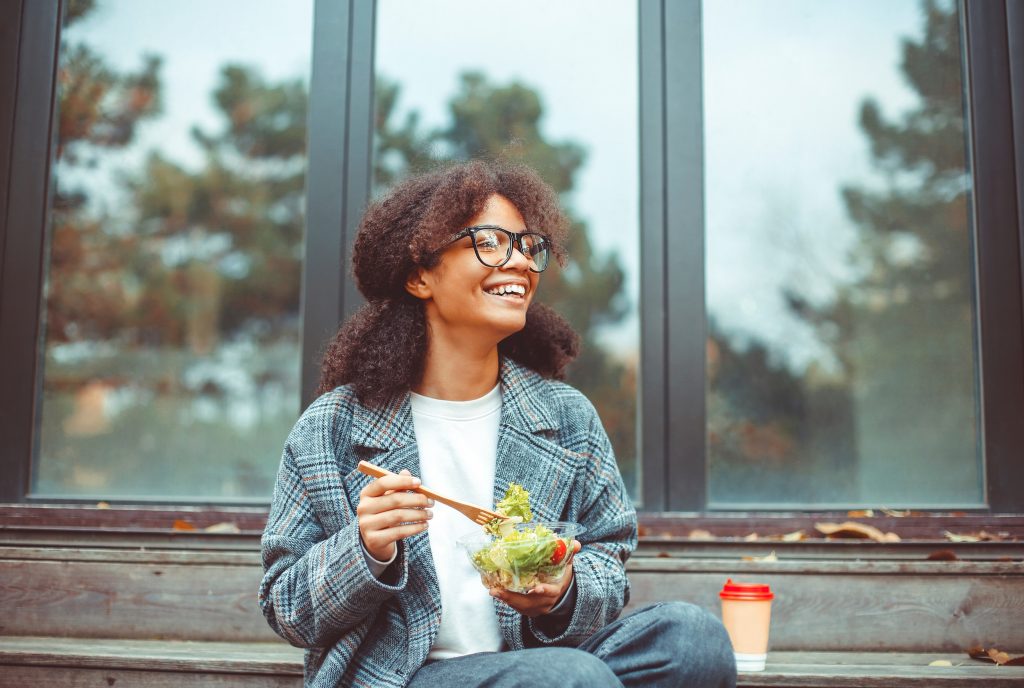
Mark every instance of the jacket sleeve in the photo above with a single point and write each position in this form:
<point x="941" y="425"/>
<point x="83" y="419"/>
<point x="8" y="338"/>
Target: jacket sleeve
<point x="607" y="512"/>
<point x="316" y="585"/>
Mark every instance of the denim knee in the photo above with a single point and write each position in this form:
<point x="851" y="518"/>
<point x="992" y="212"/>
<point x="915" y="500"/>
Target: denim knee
<point x="568" y="667"/>
<point x="705" y="657"/>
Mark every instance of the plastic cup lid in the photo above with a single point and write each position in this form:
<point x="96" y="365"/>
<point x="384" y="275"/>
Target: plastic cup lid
<point x="746" y="591"/>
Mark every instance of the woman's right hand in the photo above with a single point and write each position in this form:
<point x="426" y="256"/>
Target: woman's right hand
<point x="387" y="513"/>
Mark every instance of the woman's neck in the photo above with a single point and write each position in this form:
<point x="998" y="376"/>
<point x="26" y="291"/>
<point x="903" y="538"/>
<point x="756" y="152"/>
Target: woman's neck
<point x="455" y="374"/>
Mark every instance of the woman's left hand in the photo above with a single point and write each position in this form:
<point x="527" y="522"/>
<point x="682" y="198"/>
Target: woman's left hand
<point x="541" y="598"/>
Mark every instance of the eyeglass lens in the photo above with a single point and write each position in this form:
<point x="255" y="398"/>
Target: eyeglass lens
<point x="493" y="248"/>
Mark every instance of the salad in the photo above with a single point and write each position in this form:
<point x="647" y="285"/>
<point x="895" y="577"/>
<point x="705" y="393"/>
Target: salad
<point x="518" y="556"/>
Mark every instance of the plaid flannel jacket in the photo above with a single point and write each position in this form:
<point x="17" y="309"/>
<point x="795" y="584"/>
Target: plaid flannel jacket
<point x="317" y="591"/>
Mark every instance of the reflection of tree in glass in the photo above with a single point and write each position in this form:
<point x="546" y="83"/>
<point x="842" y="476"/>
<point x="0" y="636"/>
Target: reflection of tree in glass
<point x="901" y="332"/>
<point x="99" y="110"/>
<point x="192" y="281"/>
<point x="489" y="120"/>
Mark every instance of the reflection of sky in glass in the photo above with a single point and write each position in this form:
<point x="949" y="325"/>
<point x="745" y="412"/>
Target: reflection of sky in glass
<point x="557" y="48"/>
<point x="781" y="139"/>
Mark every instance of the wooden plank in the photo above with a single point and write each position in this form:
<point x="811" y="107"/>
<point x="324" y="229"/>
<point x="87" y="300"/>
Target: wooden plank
<point x="103" y="599"/>
<point x="816" y="567"/>
<point x="878" y="670"/>
<point x="59" y="536"/>
<point x="727" y="547"/>
<point x="69" y="677"/>
<point x="251" y="519"/>
<point x="160" y="655"/>
<point x="931" y="526"/>
<point x="139" y="556"/>
<point x="849" y="611"/>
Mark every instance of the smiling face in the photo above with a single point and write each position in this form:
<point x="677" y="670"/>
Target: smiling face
<point x="467" y="302"/>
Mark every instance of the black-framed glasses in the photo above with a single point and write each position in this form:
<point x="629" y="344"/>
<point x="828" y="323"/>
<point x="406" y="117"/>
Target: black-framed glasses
<point x="493" y="246"/>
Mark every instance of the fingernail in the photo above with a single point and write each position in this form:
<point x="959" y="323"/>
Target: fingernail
<point x="416" y="481"/>
<point x="430" y="502"/>
<point x="430" y="514"/>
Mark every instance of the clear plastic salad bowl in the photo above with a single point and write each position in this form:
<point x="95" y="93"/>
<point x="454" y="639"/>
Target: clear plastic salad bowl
<point x="525" y="555"/>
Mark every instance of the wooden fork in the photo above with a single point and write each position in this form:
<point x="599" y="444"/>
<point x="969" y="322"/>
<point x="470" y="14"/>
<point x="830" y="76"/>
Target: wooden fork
<point x="473" y="512"/>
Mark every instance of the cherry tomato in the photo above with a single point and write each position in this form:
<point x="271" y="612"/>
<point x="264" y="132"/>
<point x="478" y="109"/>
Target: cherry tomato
<point x="559" y="552"/>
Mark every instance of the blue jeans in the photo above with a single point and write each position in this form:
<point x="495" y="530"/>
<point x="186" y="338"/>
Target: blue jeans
<point x="668" y="644"/>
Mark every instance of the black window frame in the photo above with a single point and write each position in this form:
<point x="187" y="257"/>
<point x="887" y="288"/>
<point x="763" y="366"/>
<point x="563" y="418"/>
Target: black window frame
<point x="671" y="425"/>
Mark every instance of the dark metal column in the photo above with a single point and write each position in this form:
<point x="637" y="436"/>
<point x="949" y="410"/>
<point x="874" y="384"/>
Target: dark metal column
<point x="340" y="144"/>
<point x="997" y="233"/>
<point x="684" y="254"/>
<point x="23" y="227"/>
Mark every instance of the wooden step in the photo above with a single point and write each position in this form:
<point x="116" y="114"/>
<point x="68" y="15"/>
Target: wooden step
<point x="849" y="605"/>
<point x="31" y="661"/>
<point x="87" y="661"/>
<point x="843" y="605"/>
<point x="878" y="670"/>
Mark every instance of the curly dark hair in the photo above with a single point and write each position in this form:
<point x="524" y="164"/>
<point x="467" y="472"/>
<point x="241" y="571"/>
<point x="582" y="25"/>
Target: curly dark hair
<point x="381" y="350"/>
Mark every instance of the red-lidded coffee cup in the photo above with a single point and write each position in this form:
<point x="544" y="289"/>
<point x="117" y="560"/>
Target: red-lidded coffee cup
<point x="746" y="614"/>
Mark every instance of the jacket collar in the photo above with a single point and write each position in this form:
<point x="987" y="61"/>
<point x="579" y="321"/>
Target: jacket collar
<point x="524" y="405"/>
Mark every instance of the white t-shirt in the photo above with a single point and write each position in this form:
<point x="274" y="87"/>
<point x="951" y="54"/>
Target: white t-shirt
<point x="458" y="445"/>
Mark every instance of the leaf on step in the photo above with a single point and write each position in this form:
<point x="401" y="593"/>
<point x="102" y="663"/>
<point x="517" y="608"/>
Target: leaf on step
<point x="700" y="534"/>
<point x="224" y="527"/>
<point x="861" y="513"/>
<point x="852" y="529"/>
<point x="941" y="662"/>
<point x="752" y="537"/>
<point x="955" y="537"/>
<point x="768" y="557"/>
<point x="795" y="536"/>
<point x="102" y="505"/>
<point x="943" y="555"/>
<point x="663" y="555"/>
<point x="994" y="655"/>
<point x="180" y="524"/>
<point x="998" y="656"/>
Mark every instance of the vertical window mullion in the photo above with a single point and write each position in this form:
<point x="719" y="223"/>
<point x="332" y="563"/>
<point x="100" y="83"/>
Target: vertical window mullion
<point x="1001" y="329"/>
<point x="684" y="253"/>
<point x="23" y="235"/>
<point x="654" y="378"/>
<point x="322" y="275"/>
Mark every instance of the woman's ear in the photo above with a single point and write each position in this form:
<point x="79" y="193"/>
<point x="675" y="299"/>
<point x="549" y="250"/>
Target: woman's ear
<point x="417" y="285"/>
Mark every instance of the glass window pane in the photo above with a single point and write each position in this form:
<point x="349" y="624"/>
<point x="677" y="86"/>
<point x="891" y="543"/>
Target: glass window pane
<point x="171" y="347"/>
<point x="561" y="95"/>
<point x="841" y="352"/>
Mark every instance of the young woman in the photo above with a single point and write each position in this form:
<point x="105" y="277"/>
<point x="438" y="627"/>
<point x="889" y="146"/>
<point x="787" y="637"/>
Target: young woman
<point x="449" y="375"/>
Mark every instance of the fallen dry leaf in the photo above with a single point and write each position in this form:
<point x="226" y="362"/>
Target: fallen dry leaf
<point x="224" y="527"/>
<point x="998" y="656"/>
<point x="768" y="557"/>
<point x="752" y="537"/>
<point x="699" y="534"/>
<point x="102" y="505"/>
<point x="179" y="524"/>
<point x="663" y="555"/>
<point x="954" y="537"/>
<point x="995" y="656"/>
<point x="852" y="529"/>
<point x="795" y="536"/>
<point x="943" y="555"/>
<point x="941" y="662"/>
<point x="897" y="513"/>
<point x="861" y="513"/>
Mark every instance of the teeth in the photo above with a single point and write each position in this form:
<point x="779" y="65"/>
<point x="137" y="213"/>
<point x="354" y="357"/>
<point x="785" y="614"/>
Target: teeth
<point x="508" y="289"/>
